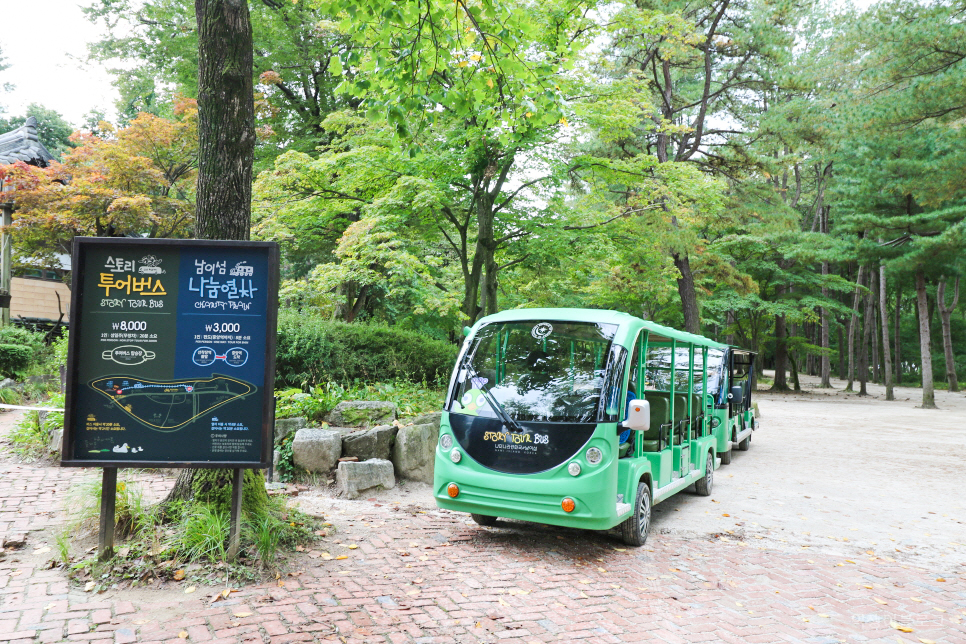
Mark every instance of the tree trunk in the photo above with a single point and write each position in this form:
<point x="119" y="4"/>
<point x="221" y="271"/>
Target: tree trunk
<point x="884" y="317"/>
<point x="925" y="342"/>
<point x="873" y="321"/>
<point x="898" y="335"/>
<point x="226" y="119"/>
<point x="945" y="313"/>
<point x="867" y="327"/>
<point x="781" y="350"/>
<point x="689" y="297"/>
<point x="226" y="143"/>
<point x="794" y="365"/>
<point x="852" y="325"/>
<point x="842" y="351"/>
<point x="826" y="358"/>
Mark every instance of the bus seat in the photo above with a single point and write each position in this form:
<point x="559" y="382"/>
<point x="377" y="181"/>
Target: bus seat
<point x="651" y="439"/>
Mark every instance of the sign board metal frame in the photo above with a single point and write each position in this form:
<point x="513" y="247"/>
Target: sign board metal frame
<point x="79" y="265"/>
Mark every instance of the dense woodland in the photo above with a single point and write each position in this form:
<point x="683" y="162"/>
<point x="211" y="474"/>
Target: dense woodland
<point x="783" y="175"/>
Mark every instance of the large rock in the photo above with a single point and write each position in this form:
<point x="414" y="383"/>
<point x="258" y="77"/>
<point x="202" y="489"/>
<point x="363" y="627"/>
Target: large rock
<point x="354" y="478"/>
<point x="362" y="413"/>
<point x="317" y="450"/>
<point x="432" y="418"/>
<point x="285" y="426"/>
<point x="55" y="439"/>
<point x="414" y="452"/>
<point x="373" y="443"/>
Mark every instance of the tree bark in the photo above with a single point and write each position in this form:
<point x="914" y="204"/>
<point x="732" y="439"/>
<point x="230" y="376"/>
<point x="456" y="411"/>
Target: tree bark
<point x="867" y="327"/>
<point x="842" y="352"/>
<point x="226" y="119"/>
<point x="852" y="324"/>
<point x="884" y="316"/>
<point x="945" y="313"/>
<point x="898" y="334"/>
<point x="226" y="143"/>
<point x="826" y="358"/>
<point x="689" y="297"/>
<point x="781" y="350"/>
<point x="874" y="321"/>
<point x="925" y="342"/>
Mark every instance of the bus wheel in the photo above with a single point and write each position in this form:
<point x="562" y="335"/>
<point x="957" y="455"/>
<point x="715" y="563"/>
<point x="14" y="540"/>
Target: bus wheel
<point x="725" y="457"/>
<point x="745" y="445"/>
<point x="634" y="530"/>
<point x="703" y="486"/>
<point x="484" y="519"/>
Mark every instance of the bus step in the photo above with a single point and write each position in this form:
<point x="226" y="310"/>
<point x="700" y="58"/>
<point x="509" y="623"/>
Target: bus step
<point x="624" y="508"/>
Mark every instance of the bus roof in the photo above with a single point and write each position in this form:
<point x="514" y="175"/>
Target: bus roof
<point x="603" y="316"/>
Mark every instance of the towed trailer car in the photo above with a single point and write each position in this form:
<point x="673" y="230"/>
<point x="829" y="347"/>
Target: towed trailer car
<point x="584" y="418"/>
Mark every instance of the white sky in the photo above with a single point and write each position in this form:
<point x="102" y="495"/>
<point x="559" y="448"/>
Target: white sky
<point x="45" y="44"/>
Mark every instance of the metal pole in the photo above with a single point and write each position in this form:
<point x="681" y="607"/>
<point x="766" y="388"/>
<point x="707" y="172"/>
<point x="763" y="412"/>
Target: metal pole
<point x="234" y="530"/>
<point x="105" y="541"/>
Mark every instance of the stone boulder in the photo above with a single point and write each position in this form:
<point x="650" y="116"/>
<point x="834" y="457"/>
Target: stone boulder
<point x="285" y="426"/>
<point x="362" y="413"/>
<point x="317" y="450"/>
<point x="55" y="439"/>
<point x="355" y="477"/>
<point x="373" y="443"/>
<point x="432" y="418"/>
<point x="415" y="450"/>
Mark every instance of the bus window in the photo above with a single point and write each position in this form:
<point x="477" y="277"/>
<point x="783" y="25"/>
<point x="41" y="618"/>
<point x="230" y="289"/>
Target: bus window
<point x="543" y="371"/>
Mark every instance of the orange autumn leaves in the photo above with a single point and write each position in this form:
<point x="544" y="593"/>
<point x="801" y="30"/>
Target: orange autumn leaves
<point x="135" y="180"/>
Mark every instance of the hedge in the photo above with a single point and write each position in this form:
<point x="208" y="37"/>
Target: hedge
<point x="311" y="350"/>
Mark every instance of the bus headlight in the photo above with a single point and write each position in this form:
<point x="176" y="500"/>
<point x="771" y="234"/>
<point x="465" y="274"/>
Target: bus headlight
<point x="455" y="456"/>
<point x="574" y="468"/>
<point x="594" y="456"/>
<point x="446" y="442"/>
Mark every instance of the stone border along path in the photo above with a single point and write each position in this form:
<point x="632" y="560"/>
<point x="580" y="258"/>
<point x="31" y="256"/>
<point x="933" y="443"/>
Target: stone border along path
<point x="429" y="576"/>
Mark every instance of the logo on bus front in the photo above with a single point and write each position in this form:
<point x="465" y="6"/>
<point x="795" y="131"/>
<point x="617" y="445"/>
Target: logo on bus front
<point x="541" y="330"/>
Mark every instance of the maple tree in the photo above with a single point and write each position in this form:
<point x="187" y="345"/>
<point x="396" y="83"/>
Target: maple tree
<point x="137" y="180"/>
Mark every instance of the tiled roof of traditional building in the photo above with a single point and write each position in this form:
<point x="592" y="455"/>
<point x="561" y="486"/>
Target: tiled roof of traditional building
<point x="22" y="144"/>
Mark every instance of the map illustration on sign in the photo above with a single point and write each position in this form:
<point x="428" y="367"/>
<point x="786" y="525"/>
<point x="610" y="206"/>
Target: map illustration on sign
<point x="171" y="404"/>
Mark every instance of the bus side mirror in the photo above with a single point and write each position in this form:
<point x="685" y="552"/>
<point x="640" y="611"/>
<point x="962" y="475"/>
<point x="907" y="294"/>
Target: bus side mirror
<point x="466" y="331"/>
<point x="639" y="416"/>
<point x="735" y="395"/>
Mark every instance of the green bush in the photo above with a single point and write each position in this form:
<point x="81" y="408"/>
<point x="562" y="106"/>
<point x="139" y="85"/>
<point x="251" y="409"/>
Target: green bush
<point x="311" y="351"/>
<point x="14" y="359"/>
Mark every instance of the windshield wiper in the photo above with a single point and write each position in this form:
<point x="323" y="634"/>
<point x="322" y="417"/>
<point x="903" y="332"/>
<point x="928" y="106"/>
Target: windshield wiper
<point x="480" y="383"/>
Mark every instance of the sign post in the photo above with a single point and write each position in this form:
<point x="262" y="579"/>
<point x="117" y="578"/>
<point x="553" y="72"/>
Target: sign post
<point x="171" y="360"/>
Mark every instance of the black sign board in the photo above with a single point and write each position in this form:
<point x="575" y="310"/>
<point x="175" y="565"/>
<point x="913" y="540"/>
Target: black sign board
<point x="171" y="359"/>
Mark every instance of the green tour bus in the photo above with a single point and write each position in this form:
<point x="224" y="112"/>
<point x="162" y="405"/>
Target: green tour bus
<point x="585" y="418"/>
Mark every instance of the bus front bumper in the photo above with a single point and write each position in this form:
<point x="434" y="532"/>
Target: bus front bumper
<point x="536" y="497"/>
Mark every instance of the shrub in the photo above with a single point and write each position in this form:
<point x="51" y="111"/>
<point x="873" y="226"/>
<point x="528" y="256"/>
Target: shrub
<point x="14" y="359"/>
<point x="311" y="351"/>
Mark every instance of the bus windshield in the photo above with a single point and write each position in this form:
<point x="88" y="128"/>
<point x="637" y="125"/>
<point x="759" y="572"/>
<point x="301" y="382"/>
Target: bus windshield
<point x="545" y="371"/>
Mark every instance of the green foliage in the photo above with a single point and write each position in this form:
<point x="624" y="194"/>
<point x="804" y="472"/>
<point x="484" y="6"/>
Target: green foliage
<point x="14" y="360"/>
<point x="287" y="470"/>
<point x="205" y="534"/>
<point x="20" y="348"/>
<point x="311" y="351"/>
<point x="52" y="130"/>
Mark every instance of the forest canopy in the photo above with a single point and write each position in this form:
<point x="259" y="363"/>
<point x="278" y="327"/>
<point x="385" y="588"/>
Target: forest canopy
<point x="782" y="175"/>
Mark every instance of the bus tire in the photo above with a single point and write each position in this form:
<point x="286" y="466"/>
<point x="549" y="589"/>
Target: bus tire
<point x="484" y="519"/>
<point x="704" y="485"/>
<point x="745" y="445"/>
<point x="725" y="457"/>
<point x="636" y="527"/>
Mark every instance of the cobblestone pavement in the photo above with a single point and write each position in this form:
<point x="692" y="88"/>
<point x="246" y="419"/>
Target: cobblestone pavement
<point x="396" y="573"/>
